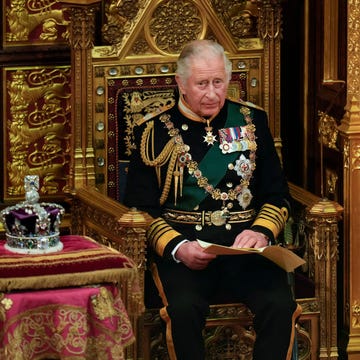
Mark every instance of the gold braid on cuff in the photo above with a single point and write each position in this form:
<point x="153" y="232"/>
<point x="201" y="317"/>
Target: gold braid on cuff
<point x="160" y="234"/>
<point x="272" y="218"/>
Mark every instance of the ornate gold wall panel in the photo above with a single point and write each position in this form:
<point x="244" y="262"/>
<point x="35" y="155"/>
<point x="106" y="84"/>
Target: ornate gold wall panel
<point x="36" y="98"/>
<point x="33" y="22"/>
<point x="36" y="128"/>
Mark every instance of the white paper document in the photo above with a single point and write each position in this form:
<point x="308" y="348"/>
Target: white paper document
<point x="281" y="256"/>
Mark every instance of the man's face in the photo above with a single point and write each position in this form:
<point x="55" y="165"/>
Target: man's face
<point x="206" y="88"/>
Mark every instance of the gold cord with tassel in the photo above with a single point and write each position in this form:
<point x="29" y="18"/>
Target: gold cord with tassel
<point x="169" y="154"/>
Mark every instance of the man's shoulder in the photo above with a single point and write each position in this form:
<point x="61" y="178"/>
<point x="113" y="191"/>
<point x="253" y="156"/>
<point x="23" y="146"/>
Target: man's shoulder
<point x="154" y="114"/>
<point x="249" y="104"/>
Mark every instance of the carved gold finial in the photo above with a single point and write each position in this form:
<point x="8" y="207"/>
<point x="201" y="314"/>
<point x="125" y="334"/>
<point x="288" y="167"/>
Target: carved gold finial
<point x="135" y="218"/>
<point x="326" y="207"/>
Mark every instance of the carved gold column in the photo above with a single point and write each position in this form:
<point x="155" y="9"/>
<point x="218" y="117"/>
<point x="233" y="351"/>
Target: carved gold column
<point x="323" y="218"/>
<point x="270" y="33"/>
<point x="82" y="29"/>
<point x="132" y="227"/>
<point x="350" y="131"/>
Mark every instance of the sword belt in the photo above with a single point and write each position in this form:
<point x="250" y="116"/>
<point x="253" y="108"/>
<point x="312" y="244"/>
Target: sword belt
<point x="217" y="218"/>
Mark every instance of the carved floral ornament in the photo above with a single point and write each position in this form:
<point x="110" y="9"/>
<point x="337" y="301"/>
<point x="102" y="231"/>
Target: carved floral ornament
<point x="355" y="156"/>
<point x="328" y="131"/>
<point x="355" y="321"/>
<point x="165" y="26"/>
<point x="45" y="21"/>
<point x="353" y="39"/>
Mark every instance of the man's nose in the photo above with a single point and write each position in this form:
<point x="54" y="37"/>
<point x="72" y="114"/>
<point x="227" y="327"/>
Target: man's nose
<point x="210" y="93"/>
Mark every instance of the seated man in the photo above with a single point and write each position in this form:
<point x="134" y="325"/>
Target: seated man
<point x="207" y="169"/>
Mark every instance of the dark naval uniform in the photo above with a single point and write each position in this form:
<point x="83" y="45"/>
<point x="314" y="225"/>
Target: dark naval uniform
<point x="210" y="181"/>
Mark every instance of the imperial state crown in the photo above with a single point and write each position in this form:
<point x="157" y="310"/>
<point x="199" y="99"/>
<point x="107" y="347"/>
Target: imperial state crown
<point x="32" y="227"/>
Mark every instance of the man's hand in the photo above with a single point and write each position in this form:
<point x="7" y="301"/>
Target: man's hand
<point x="250" y="239"/>
<point x="192" y="255"/>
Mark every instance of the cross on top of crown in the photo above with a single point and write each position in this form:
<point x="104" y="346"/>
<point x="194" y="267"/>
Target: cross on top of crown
<point x="31" y="185"/>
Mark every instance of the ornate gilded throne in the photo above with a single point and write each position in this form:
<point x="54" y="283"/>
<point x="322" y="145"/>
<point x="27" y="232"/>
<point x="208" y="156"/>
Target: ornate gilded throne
<point x="123" y="55"/>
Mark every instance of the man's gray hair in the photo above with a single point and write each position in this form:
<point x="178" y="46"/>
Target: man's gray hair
<point x="201" y="49"/>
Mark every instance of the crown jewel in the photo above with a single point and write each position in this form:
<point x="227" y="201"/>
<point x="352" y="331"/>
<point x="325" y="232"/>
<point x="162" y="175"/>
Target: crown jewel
<point x="32" y="227"/>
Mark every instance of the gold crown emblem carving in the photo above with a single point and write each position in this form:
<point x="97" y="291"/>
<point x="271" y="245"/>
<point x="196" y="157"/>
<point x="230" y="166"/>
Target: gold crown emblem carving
<point x="32" y="227"/>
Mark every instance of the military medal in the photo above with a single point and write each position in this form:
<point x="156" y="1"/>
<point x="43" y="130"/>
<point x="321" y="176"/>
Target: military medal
<point x="244" y="198"/>
<point x="235" y="139"/>
<point x="243" y="166"/>
<point x="209" y="138"/>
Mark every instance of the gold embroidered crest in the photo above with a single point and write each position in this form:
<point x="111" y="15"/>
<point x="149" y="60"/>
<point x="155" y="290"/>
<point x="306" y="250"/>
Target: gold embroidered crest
<point x="103" y="304"/>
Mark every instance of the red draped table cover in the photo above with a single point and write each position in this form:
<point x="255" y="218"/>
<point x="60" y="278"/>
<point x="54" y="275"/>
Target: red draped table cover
<point x="85" y="320"/>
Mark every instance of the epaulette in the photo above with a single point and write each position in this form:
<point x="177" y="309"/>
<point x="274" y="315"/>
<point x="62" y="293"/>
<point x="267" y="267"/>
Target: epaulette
<point x="151" y="115"/>
<point x="246" y="103"/>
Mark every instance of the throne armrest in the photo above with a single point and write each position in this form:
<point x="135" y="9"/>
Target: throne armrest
<point x="110" y="222"/>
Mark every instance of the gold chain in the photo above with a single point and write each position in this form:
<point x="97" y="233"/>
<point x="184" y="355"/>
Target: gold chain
<point x="175" y="152"/>
<point x="186" y="160"/>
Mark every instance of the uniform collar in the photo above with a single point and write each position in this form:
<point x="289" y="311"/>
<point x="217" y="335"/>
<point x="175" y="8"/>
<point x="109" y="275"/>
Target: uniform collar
<point x="187" y="112"/>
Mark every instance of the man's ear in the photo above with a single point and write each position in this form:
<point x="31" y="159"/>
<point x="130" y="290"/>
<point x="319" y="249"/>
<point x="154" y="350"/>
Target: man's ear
<point x="180" y="84"/>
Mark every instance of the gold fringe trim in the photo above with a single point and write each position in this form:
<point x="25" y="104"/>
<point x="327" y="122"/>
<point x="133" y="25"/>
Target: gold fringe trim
<point x="135" y="304"/>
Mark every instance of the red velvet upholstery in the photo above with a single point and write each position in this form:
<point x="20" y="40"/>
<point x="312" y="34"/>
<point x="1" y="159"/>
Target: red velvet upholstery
<point x="81" y="262"/>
